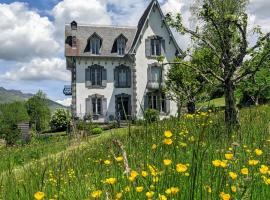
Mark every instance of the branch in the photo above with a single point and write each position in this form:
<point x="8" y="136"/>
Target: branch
<point x="251" y="72"/>
<point x="258" y="43"/>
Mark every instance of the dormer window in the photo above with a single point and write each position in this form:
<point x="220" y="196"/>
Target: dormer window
<point x="94" y="44"/>
<point x="119" y="45"/>
<point x="73" y="25"/>
<point x="155" y="47"/>
<point x="74" y="42"/>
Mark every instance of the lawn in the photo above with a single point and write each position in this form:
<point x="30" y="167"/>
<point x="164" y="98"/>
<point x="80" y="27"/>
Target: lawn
<point x="190" y="158"/>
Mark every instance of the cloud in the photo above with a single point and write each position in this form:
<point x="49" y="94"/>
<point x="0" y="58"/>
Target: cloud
<point x="39" y="69"/>
<point x="65" y="102"/>
<point x="25" y="34"/>
<point x="82" y="11"/>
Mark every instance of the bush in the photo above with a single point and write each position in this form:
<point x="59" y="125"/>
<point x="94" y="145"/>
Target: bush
<point x="60" y="120"/>
<point x="96" y="131"/>
<point x="151" y="115"/>
<point x="10" y="115"/>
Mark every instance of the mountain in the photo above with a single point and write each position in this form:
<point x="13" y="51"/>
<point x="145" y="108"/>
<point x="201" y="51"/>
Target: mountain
<point x="8" y="96"/>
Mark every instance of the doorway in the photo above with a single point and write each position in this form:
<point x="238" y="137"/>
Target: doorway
<point x="123" y="106"/>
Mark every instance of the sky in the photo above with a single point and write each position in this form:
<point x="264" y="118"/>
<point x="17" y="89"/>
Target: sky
<point x="32" y="36"/>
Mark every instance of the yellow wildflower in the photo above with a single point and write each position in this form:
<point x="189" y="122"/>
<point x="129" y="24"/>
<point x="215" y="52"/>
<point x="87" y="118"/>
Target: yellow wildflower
<point x="107" y="162"/>
<point x="155" y="179"/>
<point x="154" y="146"/>
<point x="149" y="194"/>
<point x="229" y="156"/>
<point x="208" y="189"/>
<point x="263" y="169"/>
<point x="258" y="152"/>
<point x="233" y="188"/>
<point x="253" y="162"/>
<point x="233" y="175"/>
<point x="167" y="141"/>
<point x="139" y="189"/>
<point x="110" y="181"/>
<point x="119" y="195"/>
<point x="216" y="163"/>
<point x="39" y="195"/>
<point x="225" y="196"/>
<point x="119" y="158"/>
<point x="244" y="171"/>
<point x="133" y="175"/>
<point x="96" y="194"/>
<point x="127" y="189"/>
<point x="162" y="197"/>
<point x="181" y="168"/>
<point x="223" y="163"/>
<point x="167" y="162"/>
<point x="144" y="173"/>
<point x="168" y="134"/>
<point x="172" y="190"/>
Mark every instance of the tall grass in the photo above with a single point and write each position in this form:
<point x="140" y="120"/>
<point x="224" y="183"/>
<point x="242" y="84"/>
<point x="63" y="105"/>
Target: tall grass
<point x="197" y="141"/>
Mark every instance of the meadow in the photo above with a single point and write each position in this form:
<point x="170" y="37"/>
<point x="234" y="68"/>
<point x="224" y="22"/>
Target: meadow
<point x="188" y="158"/>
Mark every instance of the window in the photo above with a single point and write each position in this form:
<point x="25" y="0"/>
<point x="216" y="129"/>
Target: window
<point x="156" y="101"/>
<point x="122" y="76"/>
<point x="155" y="74"/>
<point x="97" y="106"/>
<point x="95" y="44"/>
<point x="96" y="76"/>
<point x="74" y="41"/>
<point x="121" y="44"/>
<point x="155" y="47"/>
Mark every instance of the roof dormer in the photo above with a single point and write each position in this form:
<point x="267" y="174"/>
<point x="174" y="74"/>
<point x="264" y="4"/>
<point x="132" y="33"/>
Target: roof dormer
<point x="73" y="25"/>
<point x="119" y="45"/>
<point x="94" y="43"/>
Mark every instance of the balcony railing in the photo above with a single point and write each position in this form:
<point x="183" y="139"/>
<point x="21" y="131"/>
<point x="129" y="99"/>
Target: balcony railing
<point x="154" y="85"/>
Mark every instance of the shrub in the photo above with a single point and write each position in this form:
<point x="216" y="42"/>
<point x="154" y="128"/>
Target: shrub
<point x="60" y="120"/>
<point x="151" y="115"/>
<point x="10" y="115"/>
<point x="96" y="131"/>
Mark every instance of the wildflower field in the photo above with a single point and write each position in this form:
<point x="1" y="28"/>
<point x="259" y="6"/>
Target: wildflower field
<point x="187" y="158"/>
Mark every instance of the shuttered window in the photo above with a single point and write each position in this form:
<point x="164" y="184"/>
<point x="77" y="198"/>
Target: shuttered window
<point x="154" y="46"/>
<point x="97" y="106"/>
<point x="121" y="44"/>
<point x="156" y="101"/>
<point x="95" y="76"/>
<point x="95" y="44"/>
<point x="122" y="76"/>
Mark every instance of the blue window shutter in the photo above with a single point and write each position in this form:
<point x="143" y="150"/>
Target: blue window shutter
<point x="147" y="47"/>
<point x="145" y="105"/>
<point x="128" y="77"/>
<point x="104" y="106"/>
<point x="116" y="77"/>
<point x="104" y="77"/>
<point x="88" y="82"/>
<point x="163" y="48"/>
<point x="88" y="106"/>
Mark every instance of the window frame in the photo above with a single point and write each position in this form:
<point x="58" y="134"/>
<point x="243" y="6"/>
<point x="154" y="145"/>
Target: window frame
<point x="96" y="71"/>
<point x="96" y="105"/>
<point x="156" y="101"/>
<point x="154" y="43"/>
<point x="121" y="45"/>
<point x="124" y="70"/>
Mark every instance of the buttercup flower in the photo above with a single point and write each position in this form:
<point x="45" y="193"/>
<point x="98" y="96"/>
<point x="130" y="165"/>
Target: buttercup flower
<point x="96" y="194"/>
<point x="216" y="163"/>
<point x="149" y="194"/>
<point x="233" y="175"/>
<point x="107" y="162"/>
<point x="144" y="173"/>
<point x="253" y="162"/>
<point x="263" y="169"/>
<point x="110" y="181"/>
<point x="119" y="195"/>
<point x="39" y="195"/>
<point x="154" y="146"/>
<point x="139" y="189"/>
<point x="168" y="134"/>
<point x="225" y="196"/>
<point x="172" y="190"/>
<point x="162" y="197"/>
<point x="233" y="188"/>
<point x="229" y="156"/>
<point x="258" y="152"/>
<point x="119" y="158"/>
<point x="244" y="171"/>
<point x="167" y="162"/>
<point x="181" y="168"/>
<point x="167" y="141"/>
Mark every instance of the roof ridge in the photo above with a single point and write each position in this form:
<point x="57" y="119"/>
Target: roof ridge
<point x="103" y="26"/>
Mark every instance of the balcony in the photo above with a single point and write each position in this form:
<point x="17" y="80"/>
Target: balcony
<point x="155" y="85"/>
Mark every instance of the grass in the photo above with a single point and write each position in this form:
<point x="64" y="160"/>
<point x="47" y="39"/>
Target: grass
<point x="218" y="102"/>
<point x="96" y="169"/>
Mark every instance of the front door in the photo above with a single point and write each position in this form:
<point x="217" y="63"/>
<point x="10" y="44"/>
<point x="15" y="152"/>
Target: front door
<point x="122" y="107"/>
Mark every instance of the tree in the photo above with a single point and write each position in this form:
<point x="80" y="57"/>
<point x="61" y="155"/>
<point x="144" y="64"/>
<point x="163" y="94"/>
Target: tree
<point x="38" y="111"/>
<point x="224" y="32"/>
<point x="10" y="115"/>
<point x="60" y="120"/>
<point x="184" y="85"/>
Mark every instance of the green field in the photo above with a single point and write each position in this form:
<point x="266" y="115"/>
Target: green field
<point x="189" y="164"/>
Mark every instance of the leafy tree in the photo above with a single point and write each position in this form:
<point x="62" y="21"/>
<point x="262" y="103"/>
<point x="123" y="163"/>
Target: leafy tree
<point x="60" y="120"/>
<point x="38" y="111"/>
<point x="224" y="32"/>
<point x="256" y="89"/>
<point x="10" y="115"/>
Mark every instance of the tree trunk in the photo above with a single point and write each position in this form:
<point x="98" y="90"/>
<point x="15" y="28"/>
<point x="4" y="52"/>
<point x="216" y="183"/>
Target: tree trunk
<point x="179" y="108"/>
<point x="231" y="111"/>
<point x="191" y="107"/>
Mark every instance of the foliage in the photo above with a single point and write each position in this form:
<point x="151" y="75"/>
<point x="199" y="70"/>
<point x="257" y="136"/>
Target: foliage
<point x="223" y="31"/>
<point x="38" y="111"/>
<point x="60" y="120"/>
<point x="10" y="115"/>
<point x="190" y="158"/>
<point x="256" y="89"/>
<point x="96" y="131"/>
<point x="151" y="115"/>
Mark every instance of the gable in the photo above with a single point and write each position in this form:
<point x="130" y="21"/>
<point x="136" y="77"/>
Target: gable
<point x="150" y="14"/>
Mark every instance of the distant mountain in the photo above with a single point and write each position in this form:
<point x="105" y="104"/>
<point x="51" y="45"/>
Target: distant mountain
<point x="8" y="96"/>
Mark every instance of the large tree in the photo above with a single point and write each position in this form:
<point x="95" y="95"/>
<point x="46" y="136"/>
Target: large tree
<point x="223" y="30"/>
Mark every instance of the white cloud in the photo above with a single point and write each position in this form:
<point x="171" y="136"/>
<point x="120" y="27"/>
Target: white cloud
<point x="65" y="102"/>
<point x="39" y="69"/>
<point x="25" y="34"/>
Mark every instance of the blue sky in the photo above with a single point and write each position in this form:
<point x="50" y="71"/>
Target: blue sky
<point x="32" y="35"/>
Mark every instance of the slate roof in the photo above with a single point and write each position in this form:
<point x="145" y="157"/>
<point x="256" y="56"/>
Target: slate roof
<point x="107" y="33"/>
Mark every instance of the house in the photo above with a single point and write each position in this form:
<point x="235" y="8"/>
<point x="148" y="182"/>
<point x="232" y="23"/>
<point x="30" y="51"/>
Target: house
<point x="114" y="69"/>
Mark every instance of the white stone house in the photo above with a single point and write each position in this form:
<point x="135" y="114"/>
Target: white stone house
<point x="114" y="69"/>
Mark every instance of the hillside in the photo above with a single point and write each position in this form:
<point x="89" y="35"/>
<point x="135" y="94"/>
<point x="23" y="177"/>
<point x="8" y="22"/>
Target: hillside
<point x="8" y="96"/>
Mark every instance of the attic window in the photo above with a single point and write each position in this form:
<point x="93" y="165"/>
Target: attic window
<point x="119" y="45"/>
<point x="74" y="41"/>
<point x="73" y="25"/>
<point x="94" y="44"/>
